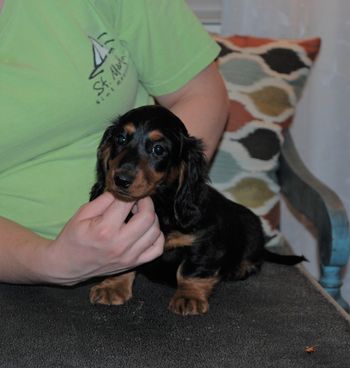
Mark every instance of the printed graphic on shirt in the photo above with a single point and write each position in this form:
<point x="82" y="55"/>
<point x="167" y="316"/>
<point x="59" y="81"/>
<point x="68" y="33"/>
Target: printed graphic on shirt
<point x="109" y="69"/>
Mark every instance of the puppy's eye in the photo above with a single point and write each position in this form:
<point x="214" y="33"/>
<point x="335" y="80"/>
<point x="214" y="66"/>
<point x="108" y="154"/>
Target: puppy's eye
<point x="121" y="139"/>
<point x="158" y="150"/>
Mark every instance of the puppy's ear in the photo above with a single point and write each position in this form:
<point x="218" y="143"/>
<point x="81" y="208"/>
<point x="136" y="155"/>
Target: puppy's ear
<point x="192" y="183"/>
<point x="103" y="153"/>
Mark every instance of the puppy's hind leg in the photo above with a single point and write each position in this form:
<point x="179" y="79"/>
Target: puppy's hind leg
<point x="115" y="290"/>
<point x="253" y="248"/>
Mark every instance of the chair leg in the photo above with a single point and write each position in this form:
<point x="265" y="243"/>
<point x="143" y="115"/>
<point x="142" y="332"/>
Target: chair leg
<point x="331" y="282"/>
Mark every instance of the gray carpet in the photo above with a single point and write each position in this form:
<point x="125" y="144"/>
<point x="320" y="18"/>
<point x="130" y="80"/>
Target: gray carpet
<point x="265" y="321"/>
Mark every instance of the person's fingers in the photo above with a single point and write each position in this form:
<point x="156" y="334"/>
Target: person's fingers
<point x="138" y="226"/>
<point x="95" y="207"/>
<point x="143" y="217"/>
<point x="102" y="225"/>
<point x="145" y="241"/>
<point x="143" y="205"/>
<point x="116" y="213"/>
<point x="153" y="251"/>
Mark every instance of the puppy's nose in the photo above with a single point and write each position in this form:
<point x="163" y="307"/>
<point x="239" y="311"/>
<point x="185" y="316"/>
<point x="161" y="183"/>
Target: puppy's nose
<point x="123" y="180"/>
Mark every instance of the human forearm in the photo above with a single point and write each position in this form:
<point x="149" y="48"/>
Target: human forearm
<point x="202" y="105"/>
<point x="22" y="252"/>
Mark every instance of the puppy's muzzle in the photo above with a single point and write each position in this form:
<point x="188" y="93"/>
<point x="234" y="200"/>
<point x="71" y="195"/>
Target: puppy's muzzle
<point x="123" y="180"/>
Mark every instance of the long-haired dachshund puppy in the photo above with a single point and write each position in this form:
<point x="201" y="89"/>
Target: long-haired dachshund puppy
<point x="148" y="152"/>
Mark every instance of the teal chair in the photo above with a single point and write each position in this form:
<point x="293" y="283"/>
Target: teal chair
<point x="256" y="160"/>
<point x="324" y="209"/>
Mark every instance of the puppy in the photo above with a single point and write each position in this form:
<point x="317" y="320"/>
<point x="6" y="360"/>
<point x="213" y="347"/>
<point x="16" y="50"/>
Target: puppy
<point x="148" y="152"/>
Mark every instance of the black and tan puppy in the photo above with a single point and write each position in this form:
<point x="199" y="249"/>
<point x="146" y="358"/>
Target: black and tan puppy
<point x="148" y="152"/>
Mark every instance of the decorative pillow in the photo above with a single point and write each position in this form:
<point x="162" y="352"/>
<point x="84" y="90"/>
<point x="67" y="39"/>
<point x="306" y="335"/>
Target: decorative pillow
<point x="265" y="79"/>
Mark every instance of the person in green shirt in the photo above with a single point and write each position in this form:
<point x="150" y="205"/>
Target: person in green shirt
<point x="67" y="69"/>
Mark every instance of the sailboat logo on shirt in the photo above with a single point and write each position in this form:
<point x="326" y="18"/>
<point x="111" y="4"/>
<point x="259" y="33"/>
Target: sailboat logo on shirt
<point x="100" y="53"/>
<point x="109" y="67"/>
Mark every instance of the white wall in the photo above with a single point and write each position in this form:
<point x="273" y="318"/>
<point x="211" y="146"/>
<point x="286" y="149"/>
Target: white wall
<point x="209" y="11"/>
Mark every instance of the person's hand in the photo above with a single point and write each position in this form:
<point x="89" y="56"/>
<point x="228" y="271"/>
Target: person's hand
<point x="98" y="242"/>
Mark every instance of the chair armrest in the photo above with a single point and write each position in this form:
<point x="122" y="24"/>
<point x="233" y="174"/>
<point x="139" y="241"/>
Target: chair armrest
<point x="322" y="206"/>
<point x="318" y="203"/>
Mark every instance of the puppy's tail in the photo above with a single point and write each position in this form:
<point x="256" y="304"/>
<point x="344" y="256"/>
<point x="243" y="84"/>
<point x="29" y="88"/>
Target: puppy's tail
<point x="282" y="259"/>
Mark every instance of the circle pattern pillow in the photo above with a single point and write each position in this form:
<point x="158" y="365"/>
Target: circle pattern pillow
<point x="265" y="79"/>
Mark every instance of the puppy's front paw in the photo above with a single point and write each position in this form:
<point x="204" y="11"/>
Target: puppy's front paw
<point x="185" y="305"/>
<point x="109" y="296"/>
<point x="113" y="291"/>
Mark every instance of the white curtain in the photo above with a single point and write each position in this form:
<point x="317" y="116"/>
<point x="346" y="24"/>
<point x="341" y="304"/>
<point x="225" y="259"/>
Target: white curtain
<point x="321" y="128"/>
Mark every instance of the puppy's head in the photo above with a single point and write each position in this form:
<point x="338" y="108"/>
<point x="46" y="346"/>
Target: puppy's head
<point x="142" y="150"/>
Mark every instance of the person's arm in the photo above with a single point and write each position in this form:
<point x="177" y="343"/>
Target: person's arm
<point x="202" y="104"/>
<point x="95" y="242"/>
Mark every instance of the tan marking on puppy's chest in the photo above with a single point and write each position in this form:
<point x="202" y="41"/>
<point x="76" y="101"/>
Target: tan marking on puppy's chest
<point x="177" y="239"/>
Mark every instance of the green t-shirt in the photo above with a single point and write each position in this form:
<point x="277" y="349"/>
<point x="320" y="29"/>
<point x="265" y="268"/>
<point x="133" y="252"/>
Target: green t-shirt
<point x="69" y="67"/>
